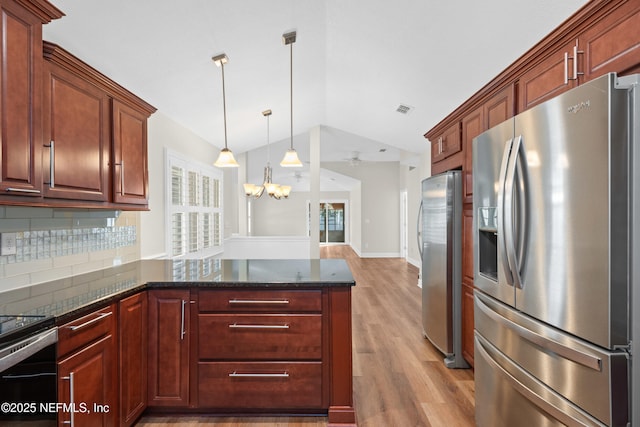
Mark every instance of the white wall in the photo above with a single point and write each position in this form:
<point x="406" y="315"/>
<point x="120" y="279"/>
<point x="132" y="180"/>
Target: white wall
<point x="411" y="181"/>
<point x="286" y="217"/>
<point x="379" y="206"/>
<point x="164" y="133"/>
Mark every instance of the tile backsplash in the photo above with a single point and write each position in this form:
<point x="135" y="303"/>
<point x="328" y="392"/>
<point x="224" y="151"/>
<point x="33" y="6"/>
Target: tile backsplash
<point x="57" y="243"/>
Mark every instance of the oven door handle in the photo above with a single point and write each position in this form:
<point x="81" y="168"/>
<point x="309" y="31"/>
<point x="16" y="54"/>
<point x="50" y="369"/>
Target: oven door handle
<point x="16" y="353"/>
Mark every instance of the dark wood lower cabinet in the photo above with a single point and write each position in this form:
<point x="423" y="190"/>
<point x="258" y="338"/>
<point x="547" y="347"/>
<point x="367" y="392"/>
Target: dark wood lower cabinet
<point x="257" y="351"/>
<point x="169" y="337"/>
<point x="248" y="350"/>
<point x="133" y="333"/>
<point x="467" y="323"/>
<point x="260" y="385"/>
<point x="87" y="370"/>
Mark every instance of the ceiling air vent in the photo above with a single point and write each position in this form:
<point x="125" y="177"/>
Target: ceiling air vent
<point x="404" y="109"/>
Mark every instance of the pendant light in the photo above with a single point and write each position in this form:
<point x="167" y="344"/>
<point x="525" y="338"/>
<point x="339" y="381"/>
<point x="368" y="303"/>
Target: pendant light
<point x="225" y="158"/>
<point x="290" y="159"/>
<point x="274" y="190"/>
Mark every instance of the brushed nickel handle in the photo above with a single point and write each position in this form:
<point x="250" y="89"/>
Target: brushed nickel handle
<point x="52" y="163"/>
<point x="250" y="326"/>
<point x="90" y="322"/>
<point x="258" y="301"/>
<point x="575" y="61"/>
<point x="566" y="67"/>
<point x="121" y="164"/>
<point x="547" y="343"/>
<point x="182" y="331"/>
<point x="71" y="422"/>
<point x="235" y="374"/>
<point x="21" y="190"/>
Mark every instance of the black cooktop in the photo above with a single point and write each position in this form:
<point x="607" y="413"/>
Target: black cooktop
<point x="16" y="327"/>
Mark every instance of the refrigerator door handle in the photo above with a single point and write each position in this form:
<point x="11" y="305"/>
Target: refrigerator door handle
<point x="508" y="212"/>
<point x="571" y="354"/>
<point x="418" y="227"/>
<point x="529" y="394"/>
<point x="503" y="256"/>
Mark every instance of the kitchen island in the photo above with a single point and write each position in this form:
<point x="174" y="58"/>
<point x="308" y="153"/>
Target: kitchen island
<point x="203" y="336"/>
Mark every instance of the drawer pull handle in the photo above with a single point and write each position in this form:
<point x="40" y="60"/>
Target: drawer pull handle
<point x="258" y="301"/>
<point x="235" y="374"/>
<point x="237" y="326"/>
<point x="22" y="190"/>
<point x="89" y="322"/>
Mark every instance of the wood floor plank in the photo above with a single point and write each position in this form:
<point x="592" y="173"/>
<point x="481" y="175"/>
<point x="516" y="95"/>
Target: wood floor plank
<point x="399" y="378"/>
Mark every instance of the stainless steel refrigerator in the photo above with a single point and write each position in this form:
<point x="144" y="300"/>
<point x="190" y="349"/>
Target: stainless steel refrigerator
<point x="440" y="248"/>
<point x="555" y="214"/>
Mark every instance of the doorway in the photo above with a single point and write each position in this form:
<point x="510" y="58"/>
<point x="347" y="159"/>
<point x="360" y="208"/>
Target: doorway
<point x="332" y="222"/>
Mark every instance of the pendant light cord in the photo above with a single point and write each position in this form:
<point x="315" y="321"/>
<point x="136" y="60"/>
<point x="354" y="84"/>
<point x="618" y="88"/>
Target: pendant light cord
<point x="291" y="89"/>
<point x="224" y="106"/>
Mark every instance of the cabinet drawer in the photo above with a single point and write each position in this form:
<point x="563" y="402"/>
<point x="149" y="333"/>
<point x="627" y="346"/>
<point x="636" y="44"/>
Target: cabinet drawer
<point x="260" y="301"/>
<point x="268" y="385"/>
<point x="266" y="336"/>
<point x="82" y="331"/>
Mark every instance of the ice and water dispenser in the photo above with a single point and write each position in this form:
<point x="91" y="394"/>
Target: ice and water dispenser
<point x="488" y="242"/>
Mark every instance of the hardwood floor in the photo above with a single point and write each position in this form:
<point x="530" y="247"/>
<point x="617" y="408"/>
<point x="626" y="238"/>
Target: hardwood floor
<point x="399" y="378"/>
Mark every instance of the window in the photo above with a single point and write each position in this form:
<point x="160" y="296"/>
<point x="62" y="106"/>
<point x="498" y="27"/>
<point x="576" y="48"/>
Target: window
<point x="194" y="207"/>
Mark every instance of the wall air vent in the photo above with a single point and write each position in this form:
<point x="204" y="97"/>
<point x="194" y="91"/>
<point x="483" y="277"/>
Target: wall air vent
<point x="404" y="109"/>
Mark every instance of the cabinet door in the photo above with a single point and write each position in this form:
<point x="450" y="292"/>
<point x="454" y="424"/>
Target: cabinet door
<point x="467" y="323"/>
<point x="88" y="379"/>
<point x="613" y="43"/>
<point x="20" y="109"/>
<point x="500" y="107"/>
<point x="133" y="357"/>
<point x="472" y="126"/>
<point x="130" y="171"/>
<point x="467" y="284"/>
<point x="551" y="77"/>
<point x="447" y="144"/>
<point x="76" y="132"/>
<point x="169" y="338"/>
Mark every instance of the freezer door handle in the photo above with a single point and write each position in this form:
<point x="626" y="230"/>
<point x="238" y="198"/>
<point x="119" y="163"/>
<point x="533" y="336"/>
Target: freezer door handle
<point x="571" y="354"/>
<point x="508" y="213"/>
<point x="547" y="406"/>
<point x="501" y="214"/>
<point x="419" y="226"/>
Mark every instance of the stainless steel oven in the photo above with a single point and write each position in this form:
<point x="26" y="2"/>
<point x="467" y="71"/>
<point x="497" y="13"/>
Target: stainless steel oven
<point x="27" y="371"/>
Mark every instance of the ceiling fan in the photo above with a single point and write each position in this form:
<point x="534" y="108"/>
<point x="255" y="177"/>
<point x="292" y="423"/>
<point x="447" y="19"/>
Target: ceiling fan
<point x="354" y="160"/>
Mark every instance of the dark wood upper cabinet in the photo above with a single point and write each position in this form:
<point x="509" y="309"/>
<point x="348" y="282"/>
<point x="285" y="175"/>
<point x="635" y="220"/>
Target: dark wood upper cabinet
<point x="472" y="126"/>
<point x="612" y="44"/>
<point x="602" y="37"/>
<point x="76" y="137"/>
<point x="130" y="172"/>
<point x="95" y="136"/>
<point x="21" y="94"/>
<point x="549" y="78"/>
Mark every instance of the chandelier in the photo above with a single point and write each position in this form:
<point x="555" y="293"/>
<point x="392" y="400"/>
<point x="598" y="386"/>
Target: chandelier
<point x="274" y="190"/>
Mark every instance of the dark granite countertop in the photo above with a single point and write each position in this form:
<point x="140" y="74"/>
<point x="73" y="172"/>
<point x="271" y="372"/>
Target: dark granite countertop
<point x="66" y="298"/>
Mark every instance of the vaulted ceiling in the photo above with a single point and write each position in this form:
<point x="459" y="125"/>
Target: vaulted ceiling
<point x="354" y="62"/>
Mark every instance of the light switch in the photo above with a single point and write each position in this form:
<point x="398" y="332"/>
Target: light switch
<point x="8" y="244"/>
